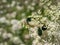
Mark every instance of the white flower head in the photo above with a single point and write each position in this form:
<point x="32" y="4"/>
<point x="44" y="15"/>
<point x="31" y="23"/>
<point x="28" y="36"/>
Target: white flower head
<point x="26" y="2"/>
<point x="6" y="35"/>
<point x="22" y="44"/>
<point x="16" y="27"/>
<point x="33" y="3"/>
<point x="30" y="7"/>
<point x="27" y="36"/>
<point x="4" y="1"/>
<point x="13" y="3"/>
<point x="16" y="40"/>
<point x="2" y="19"/>
<point x="14" y="21"/>
<point x="19" y="7"/>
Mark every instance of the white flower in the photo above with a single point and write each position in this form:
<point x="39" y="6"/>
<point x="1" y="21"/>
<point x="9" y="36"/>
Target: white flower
<point x="39" y="43"/>
<point x="13" y="3"/>
<point x="34" y="13"/>
<point x="2" y="19"/>
<point x="4" y="1"/>
<point x="53" y="18"/>
<point x="53" y="26"/>
<point x="19" y="7"/>
<point x="44" y="20"/>
<point x="53" y="7"/>
<point x="33" y="29"/>
<point x="23" y="20"/>
<point x="8" y="5"/>
<point x="16" y="26"/>
<point x="49" y="33"/>
<point x="9" y="35"/>
<point x="16" y="40"/>
<point x="22" y="44"/>
<point x="59" y="4"/>
<point x="33" y="32"/>
<point x="26" y="2"/>
<point x="14" y="21"/>
<point x="33" y="4"/>
<point x="23" y="15"/>
<point x="49" y="3"/>
<point x="1" y="44"/>
<point x="30" y="7"/>
<point x="50" y="43"/>
<point x="1" y="12"/>
<point x="39" y="11"/>
<point x="35" y="42"/>
<point x="26" y="36"/>
<point x="5" y="35"/>
<point x="5" y="43"/>
<point x="8" y="22"/>
<point x="46" y="43"/>
<point x="11" y="15"/>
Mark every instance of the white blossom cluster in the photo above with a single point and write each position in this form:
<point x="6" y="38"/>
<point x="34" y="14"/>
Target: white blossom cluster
<point x="22" y="22"/>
